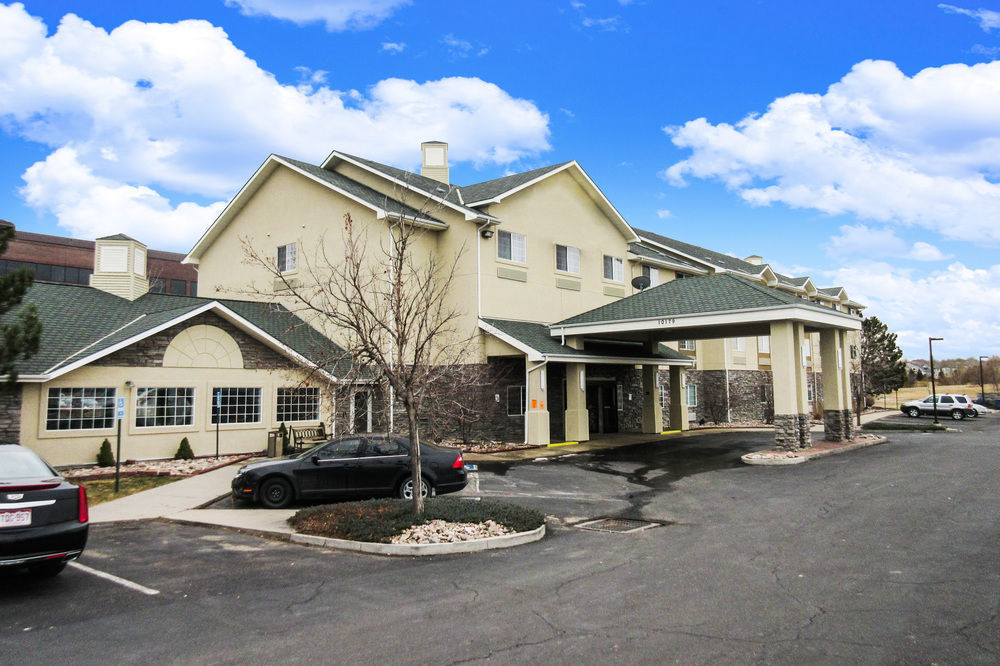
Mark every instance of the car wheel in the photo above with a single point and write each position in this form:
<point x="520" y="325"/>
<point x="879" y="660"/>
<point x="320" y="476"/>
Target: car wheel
<point x="47" y="569"/>
<point x="275" y="493"/>
<point x="912" y="411"/>
<point x="406" y="488"/>
<point x="958" y="414"/>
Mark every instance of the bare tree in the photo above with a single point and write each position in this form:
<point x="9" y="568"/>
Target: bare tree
<point x="387" y="306"/>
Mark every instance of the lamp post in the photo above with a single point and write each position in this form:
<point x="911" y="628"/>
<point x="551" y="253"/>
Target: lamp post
<point x="930" y="346"/>
<point x="982" y="385"/>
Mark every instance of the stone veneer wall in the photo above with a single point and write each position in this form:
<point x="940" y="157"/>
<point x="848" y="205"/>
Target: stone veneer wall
<point x="10" y="415"/>
<point x="751" y="394"/>
<point x="149" y="352"/>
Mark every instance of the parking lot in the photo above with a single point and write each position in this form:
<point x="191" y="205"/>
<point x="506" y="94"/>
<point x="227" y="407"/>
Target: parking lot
<point x="886" y="554"/>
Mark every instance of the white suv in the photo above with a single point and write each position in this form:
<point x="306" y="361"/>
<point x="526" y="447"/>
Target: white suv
<point x="948" y="404"/>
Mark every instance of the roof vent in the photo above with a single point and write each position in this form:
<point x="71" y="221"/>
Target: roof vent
<point x="120" y="267"/>
<point x="435" y="164"/>
<point x="754" y="259"/>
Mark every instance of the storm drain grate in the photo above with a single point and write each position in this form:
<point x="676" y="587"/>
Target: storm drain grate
<point x="617" y="525"/>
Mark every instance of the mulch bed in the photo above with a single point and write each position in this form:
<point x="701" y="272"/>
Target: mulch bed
<point x="168" y="467"/>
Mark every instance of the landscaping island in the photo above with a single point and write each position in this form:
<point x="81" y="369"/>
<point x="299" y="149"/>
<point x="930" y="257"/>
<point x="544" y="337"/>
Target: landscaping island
<point x="388" y="526"/>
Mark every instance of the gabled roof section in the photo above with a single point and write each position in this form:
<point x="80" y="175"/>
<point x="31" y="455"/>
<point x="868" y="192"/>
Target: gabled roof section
<point x="382" y="205"/>
<point x="700" y="254"/>
<point x="118" y="237"/>
<point x="699" y="295"/>
<point x="81" y="324"/>
<point x="658" y="256"/>
<point x="537" y="343"/>
<point x="499" y="187"/>
<point x="509" y="185"/>
<point x="434" y="189"/>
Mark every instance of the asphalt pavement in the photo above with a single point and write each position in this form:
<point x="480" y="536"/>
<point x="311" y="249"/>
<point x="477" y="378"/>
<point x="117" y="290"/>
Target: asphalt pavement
<point x="882" y="555"/>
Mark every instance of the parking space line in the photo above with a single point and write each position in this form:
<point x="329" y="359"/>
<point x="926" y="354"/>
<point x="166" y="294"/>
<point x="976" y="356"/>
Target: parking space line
<point x="115" y="579"/>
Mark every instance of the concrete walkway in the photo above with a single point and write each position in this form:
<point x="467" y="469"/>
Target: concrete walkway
<point x="169" y="500"/>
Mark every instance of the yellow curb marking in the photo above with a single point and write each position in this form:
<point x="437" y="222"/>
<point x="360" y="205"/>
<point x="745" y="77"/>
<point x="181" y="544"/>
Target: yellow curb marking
<point x="563" y="444"/>
<point x="670" y="432"/>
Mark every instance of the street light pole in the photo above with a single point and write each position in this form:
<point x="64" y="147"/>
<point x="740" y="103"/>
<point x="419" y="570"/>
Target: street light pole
<point x="982" y="385"/>
<point x="930" y="345"/>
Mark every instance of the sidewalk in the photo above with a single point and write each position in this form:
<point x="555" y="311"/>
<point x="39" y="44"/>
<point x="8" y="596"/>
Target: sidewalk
<point x="169" y="500"/>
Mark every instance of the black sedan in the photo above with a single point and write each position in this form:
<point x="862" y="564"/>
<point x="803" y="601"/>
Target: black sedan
<point x="43" y="519"/>
<point x="355" y="465"/>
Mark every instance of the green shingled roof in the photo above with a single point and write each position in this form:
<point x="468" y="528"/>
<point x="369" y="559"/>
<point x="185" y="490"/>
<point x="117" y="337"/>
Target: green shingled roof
<point x="363" y="192"/>
<point x="654" y="253"/>
<point x="79" y="321"/>
<point x="538" y="337"/>
<point x="702" y="294"/>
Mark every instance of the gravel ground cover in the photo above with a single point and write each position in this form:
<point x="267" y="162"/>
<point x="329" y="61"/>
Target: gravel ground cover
<point x="441" y="531"/>
<point x="167" y="467"/>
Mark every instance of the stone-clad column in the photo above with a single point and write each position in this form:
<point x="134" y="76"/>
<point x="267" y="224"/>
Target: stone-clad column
<point x="791" y="418"/>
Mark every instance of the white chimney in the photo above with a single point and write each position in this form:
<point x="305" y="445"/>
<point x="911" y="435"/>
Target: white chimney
<point x="120" y="267"/>
<point x="754" y="259"/>
<point x="435" y="160"/>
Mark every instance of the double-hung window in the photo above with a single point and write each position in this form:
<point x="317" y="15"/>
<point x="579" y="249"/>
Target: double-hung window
<point x="686" y="345"/>
<point x="512" y="246"/>
<point x="764" y="344"/>
<point x="235" y="405"/>
<point x="739" y="344"/>
<point x="614" y="268"/>
<point x="157" y="407"/>
<point x="691" y="396"/>
<point x="568" y="259"/>
<point x="288" y="256"/>
<point x="653" y="274"/>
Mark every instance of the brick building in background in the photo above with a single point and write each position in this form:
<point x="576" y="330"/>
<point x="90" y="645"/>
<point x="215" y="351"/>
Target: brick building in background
<point x="71" y="261"/>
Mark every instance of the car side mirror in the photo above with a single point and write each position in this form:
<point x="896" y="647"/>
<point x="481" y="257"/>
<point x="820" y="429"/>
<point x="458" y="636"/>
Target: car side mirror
<point x="315" y="460"/>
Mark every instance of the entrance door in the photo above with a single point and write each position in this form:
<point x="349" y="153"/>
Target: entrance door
<point x="362" y="408"/>
<point x="602" y="408"/>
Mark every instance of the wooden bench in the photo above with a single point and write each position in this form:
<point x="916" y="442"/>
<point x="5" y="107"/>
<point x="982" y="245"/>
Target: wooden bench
<point x="307" y="436"/>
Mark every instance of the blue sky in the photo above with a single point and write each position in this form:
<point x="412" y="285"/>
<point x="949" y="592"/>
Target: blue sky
<point x="855" y="142"/>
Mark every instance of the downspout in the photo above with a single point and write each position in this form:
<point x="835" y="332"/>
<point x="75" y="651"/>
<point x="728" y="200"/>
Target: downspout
<point x="392" y="393"/>
<point x="479" y="268"/>
<point x="527" y="392"/>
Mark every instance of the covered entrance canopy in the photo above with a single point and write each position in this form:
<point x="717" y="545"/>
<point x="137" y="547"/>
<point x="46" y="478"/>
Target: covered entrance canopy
<point x="724" y="305"/>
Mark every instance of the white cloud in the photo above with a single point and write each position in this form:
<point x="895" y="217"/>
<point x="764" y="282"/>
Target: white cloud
<point x="89" y="206"/>
<point x="138" y="107"/>
<point x="862" y="240"/>
<point x="608" y="24"/>
<point x="336" y="14"/>
<point x="986" y="18"/>
<point x="922" y="150"/>
<point x="663" y="213"/>
<point x="393" y="47"/>
<point x="988" y="51"/>
<point x="956" y="303"/>
<point x="460" y="48"/>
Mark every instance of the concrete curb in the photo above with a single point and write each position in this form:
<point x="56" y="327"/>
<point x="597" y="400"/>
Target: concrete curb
<point x="262" y="533"/>
<point x="798" y="457"/>
<point x="420" y="549"/>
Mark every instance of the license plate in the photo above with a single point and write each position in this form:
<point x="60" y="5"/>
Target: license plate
<point x="15" y="518"/>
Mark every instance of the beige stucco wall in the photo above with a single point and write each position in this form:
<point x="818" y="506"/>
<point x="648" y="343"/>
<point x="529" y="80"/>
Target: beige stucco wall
<point x="66" y="447"/>
<point x="555" y="211"/>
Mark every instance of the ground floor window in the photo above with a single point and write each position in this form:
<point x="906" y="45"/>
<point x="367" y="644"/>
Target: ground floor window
<point x="80" y="409"/>
<point x="691" y="395"/>
<point x="515" y="400"/>
<point x="236" y="405"/>
<point x="298" y="404"/>
<point x="157" y="407"/>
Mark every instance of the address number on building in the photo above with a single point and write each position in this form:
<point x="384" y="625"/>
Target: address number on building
<point x="666" y="322"/>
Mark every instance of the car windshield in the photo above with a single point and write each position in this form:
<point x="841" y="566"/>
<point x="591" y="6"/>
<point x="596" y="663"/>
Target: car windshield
<point x="18" y="463"/>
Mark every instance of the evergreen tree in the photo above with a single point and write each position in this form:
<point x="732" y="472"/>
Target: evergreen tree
<point x="881" y="358"/>
<point x="19" y="334"/>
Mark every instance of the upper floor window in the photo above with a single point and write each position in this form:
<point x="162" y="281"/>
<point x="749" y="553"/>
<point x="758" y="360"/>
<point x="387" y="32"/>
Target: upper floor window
<point x="653" y="274"/>
<point x="764" y="344"/>
<point x="614" y="269"/>
<point x="739" y="344"/>
<point x="287" y="257"/>
<point x="686" y="345"/>
<point x="568" y="259"/>
<point x="512" y="246"/>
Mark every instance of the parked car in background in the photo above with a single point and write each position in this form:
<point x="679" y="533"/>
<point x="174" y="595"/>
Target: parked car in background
<point x="977" y="409"/>
<point x="952" y="405"/>
<point x="351" y="466"/>
<point x="44" y="520"/>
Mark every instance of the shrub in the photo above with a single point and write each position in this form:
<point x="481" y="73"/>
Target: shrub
<point x="184" y="451"/>
<point x="104" y="456"/>
<point x="380" y="520"/>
